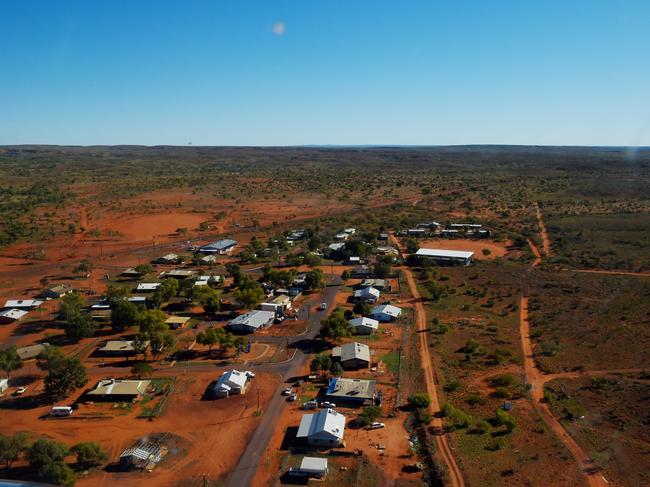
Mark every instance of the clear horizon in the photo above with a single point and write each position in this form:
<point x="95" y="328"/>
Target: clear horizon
<point x="368" y="73"/>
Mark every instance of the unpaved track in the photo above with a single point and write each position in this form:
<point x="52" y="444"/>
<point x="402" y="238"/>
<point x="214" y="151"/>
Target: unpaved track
<point x="536" y="380"/>
<point x="455" y="475"/>
<point x="546" y="243"/>
<point x="611" y="273"/>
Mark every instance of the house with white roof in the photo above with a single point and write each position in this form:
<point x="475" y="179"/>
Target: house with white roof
<point x="231" y="382"/>
<point x="448" y="257"/>
<point x="22" y="304"/>
<point x="386" y="312"/>
<point x="325" y="428"/>
<point x="169" y="259"/>
<point x="364" y="326"/>
<point x="368" y="294"/>
<point x="11" y="315"/>
<point x="252" y="321"/>
<point x="336" y="246"/>
<point x="147" y="287"/>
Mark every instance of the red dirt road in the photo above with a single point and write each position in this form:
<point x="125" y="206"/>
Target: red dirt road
<point x="536" y="380"/>
<point x="455" y="475"/>
<point x="546" y="243"/>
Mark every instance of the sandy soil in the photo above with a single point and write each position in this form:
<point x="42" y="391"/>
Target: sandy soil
<point x="216" y="431"/>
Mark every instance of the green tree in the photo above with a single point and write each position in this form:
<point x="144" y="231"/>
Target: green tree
<point x="70" y="306"/>
<point x="315" y="279"/>
<point x="362" y="308"/>
<point x="84" y="267"/>
<point x="235" y="272"/>
<point x="209" y="298"/>
<point x="151" y="321"/>
<point x="382" y="270"/>
<point x="64" y="374"/>
<point x="321" y="363"/>
<point x="116" y="294"/>
<point x="249" y="294"/>
<point x="336" y="325"/>
<point x="10" y="360"/>
<point x="80" y="326"/>
<point x="11" y="447"/>
<point x="124" y="315"/>
<point x="142" y="369"/>
<point x="369" y="415"/>
<point x="144" y="269"/>
<point x="57" y="473"/>
<point x="420" y="400"/>
<point x="209" y="338"/>
<point x="336" y="369"/>
<point x="45" y="452"/>
<point x="89" y="455"/>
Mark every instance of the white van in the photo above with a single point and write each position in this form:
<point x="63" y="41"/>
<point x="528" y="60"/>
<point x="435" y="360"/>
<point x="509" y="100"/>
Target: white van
<point x="60" y="411"/>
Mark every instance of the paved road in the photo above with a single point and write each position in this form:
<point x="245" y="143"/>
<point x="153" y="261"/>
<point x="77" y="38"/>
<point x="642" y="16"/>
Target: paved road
<point x="245" y="470"/>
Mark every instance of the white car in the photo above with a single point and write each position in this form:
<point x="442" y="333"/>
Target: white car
<point x="21" y="390"/>
<point x="287" y="391"/>
<point x="327" y="404"/>
<point x="249" y="374"/>
<point x="292" y="397"/>
<point x="376" y="426"/>
<point x="323" y="306"/>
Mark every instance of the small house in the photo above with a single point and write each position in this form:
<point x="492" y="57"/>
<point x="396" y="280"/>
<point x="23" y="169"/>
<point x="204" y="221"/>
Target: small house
<point x="386" y="312"/>
<point x="380" y="284"/>
<point x="29" y="352"/>
<point x="364" y="326"/>
<point x="56" y="292"/>
<point x="310" y="467"/>
<point x="169" y="259"/>
<point x="118" y="390"/>
<point x="352" y="355"/>
<point x="176" y="322"/>
<point x="325" y="428"/>
<point x="178" y="274"/>
<point x="130" y="273"/>
<point x="279" y="303"/>
<point x="367" y="294"/>
<point x="361" y="272"/>
<point x="11" y="315"/>
<point x="120" y="348"/>
<point x="230" y="383"/>
<point x="147" y="287"/>
<point x="351" y="390"/>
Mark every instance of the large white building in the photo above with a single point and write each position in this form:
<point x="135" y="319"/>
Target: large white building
<point x="442" y="256"/>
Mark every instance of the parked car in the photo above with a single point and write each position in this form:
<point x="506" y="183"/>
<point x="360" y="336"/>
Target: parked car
<point x="298" y="383"/>
<point x="323" y="306"/>
<point x="292" y="397"/>
<point x="250" y="374"/>
<point x="20" y="390"/>
<point x="287" y="391"/>
<point x="376" y="426"/>
<point x="327" y="404"/>
<point x="310" y="405"/>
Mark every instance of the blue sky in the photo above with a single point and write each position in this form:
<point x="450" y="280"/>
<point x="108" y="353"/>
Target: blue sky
<point x="275" y="72"/>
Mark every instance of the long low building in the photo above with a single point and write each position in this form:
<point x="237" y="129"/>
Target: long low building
<point x="116" y="390"/>
<point x="252" y="321"/>
<point x="448" y="257"/>
<point x="224" y="246"/>
<point x="11" y="315"/>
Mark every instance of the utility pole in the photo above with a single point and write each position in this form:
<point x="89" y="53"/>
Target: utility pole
<point x="258" y="400"/>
